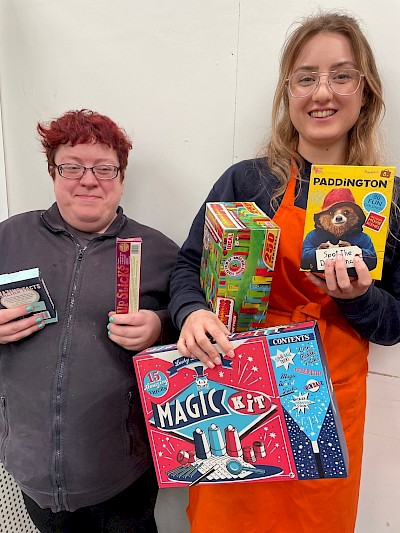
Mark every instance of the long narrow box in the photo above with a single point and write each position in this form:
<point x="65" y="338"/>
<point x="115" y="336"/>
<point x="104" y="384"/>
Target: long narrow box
<point x="26" y="287"/>
<point x="268" y="414"/>
<point x="128" y="262"/>
<point x="239" y="251"/>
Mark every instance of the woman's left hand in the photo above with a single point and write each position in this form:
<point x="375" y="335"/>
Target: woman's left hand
<point x="134" y="331"/>
<point x="337" y="282"/>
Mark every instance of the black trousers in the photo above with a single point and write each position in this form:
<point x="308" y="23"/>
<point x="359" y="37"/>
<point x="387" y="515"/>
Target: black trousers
<point x="130" y="511"/>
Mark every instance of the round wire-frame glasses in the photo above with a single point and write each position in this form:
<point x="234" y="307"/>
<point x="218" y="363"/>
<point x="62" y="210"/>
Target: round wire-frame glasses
<point x="75" y="171"/>
<point x="343" y="82"/>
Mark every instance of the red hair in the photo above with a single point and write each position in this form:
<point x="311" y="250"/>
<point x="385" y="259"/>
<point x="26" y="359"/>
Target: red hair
<point x="83" y="127"/>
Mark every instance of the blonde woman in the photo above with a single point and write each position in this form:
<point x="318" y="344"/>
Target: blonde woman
<point x="333" y="118"/>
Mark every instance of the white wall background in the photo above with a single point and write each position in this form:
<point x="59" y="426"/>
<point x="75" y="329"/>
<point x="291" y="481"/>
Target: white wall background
<point x="192" y="82"/>
<point x="3" y="188"/>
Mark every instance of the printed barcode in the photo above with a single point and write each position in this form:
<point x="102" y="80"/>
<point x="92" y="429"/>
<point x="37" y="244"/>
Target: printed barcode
<point x="135" y="248"/>
<point x="44" y="315"/>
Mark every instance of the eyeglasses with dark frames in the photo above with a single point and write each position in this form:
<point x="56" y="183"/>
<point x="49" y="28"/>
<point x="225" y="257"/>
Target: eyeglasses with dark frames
<point x="343" y="82"/>
<point x="74" y="171"/>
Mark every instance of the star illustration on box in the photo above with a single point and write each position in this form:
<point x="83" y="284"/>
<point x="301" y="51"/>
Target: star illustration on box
<point x="267" y="414"/>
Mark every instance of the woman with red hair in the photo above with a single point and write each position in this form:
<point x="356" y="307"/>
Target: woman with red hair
<point x="73" y="432"/>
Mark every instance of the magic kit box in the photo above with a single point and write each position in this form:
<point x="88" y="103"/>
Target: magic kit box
<point x="239" y="250"/>
<point x="26" y="287"/>
<point x="267" y="414"/>
<point x="348" y="211"/>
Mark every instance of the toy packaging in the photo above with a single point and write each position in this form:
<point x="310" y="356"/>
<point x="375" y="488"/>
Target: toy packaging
<point x="267" y="414"/>
<point x="348" y="211"/>
<point x="128" y="261"/>
<point x="26" y="287"/>
<point x="239" y="249"/>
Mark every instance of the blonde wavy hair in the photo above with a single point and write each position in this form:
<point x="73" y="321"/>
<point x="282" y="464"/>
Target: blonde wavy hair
<point x="364" y="137"/>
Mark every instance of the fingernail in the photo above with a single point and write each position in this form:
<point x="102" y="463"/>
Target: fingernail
<point x="217" y="360"/>
<point x="210" y="364"/>
<point x="357" y="259"/>
<point x="38" y="320"/>
<point x="111" y="319"/>
<point x="40" y="326"/>
<point x="339" y="256"/>
<point x="108" y="327"/>
<point x="231" y="353"/>
<point x="29" y="308"/>
<point x="108" y="332"/>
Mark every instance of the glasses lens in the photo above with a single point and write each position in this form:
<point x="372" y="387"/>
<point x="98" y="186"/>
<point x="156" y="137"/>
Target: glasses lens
<point x="303" y="83"/>
<point x="71" y="171"/>
<point x="344" y="81"/>
<point x="105" y="172"/>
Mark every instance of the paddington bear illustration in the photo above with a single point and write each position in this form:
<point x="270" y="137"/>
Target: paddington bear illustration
<point x="339" y="223"/>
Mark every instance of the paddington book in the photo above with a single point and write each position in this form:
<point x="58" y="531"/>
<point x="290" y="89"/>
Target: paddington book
<point x="347" y="212"/>
<point x="267" y="414"/>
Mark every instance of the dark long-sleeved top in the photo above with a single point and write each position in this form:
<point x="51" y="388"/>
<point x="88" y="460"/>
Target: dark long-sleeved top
<point x="375" y="315"/>
<point x="72" y="433"/>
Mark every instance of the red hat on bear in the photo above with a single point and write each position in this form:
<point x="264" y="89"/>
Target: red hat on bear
<point x="338" y="198"/>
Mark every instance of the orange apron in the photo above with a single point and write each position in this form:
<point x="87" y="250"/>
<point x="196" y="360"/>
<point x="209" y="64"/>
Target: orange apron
<point x="326" y="505"/>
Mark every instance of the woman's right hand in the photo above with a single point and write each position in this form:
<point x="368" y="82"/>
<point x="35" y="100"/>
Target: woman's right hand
<point x="194" y="340"/>
<point x="12" y="330"/>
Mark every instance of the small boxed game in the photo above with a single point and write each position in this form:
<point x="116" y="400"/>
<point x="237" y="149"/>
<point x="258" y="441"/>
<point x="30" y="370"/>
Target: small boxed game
<point x="347" y="211"/>
<point x="128" y="260"/>
<point x="267" y="414"/>
<point x="239" y="250"/>
<point x="26" y="287"/>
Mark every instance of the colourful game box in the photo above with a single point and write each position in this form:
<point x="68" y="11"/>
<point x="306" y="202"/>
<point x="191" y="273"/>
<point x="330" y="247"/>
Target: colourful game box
<point x="128" y="261"/>
<point x="268" y="414"/>
<point x="239" y="250"/>
<point x="26" y="287"/>
<point x="347" y="210"/>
